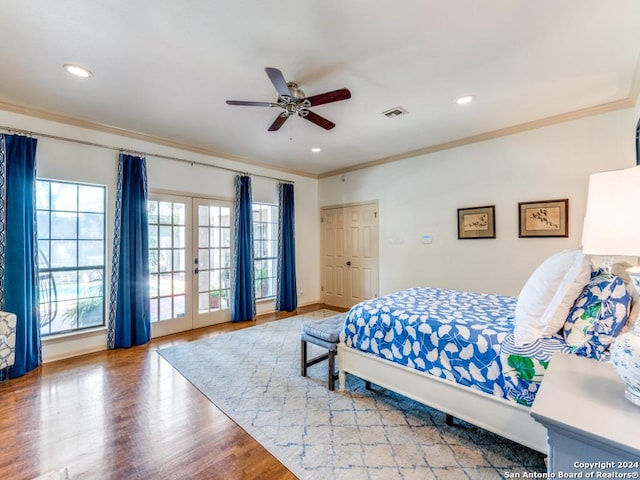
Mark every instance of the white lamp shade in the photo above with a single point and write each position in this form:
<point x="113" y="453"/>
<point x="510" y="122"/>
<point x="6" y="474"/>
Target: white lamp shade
<point x="612" y="222"/>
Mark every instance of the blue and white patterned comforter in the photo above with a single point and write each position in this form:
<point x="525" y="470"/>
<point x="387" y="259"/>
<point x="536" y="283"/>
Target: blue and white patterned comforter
<point x="450" y="334"/>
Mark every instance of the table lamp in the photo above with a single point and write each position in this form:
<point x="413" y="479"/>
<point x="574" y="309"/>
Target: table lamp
<point x="611" y="227"/>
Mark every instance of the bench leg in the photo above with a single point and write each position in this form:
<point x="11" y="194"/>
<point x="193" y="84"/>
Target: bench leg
<point x="303" y="358"/>
<point x="332" y="369"/>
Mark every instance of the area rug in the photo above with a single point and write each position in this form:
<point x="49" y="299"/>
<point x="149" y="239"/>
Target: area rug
<point x="253" y="375"/>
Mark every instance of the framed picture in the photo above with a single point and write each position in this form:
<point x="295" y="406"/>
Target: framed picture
<point x="548" y="218"/>
<point x="477" y="222"/>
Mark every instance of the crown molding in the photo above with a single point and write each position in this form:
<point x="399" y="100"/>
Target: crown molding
<point x="502" y="132"/>
<point x="99" y="127"/>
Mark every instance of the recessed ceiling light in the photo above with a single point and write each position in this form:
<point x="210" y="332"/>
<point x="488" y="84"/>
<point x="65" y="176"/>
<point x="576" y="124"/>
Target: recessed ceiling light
<point x="466" y="99"/>
<point x="77" y="70"/>
<point x="316" y="149"/>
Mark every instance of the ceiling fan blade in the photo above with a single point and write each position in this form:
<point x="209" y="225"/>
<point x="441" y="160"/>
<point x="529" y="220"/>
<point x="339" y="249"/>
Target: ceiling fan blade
<point x="328" y="97"/>
<point x="252" y="104"/>
<point x="317" y="119"/>
<point x="278" y="81"/>
<point x="278" y="122"/>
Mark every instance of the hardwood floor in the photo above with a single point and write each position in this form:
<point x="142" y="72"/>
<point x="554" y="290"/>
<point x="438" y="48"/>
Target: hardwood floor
<point x="124" y="414"/>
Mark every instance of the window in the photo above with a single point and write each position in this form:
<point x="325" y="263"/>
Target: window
<point x="265" y="249"/>
<point x="71" y="255"/>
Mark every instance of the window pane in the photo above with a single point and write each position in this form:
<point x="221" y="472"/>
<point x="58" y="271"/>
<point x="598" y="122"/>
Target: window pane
<point x="43" y="224"/>
<point x="153" y="261"/>
<point x="153" y="304"/>
<point x="226" y="278"/>
<point x="152" y="212"/>
<point x="203" y="237"/>
<point x="64" y="253"/>
<point x="215" y="257"/>
<point x="153" y="285"/>
<point x="91" y="283"/>
<point x="203" y="216"/>
<point x="178" y="260"/>
<point x="165" y="213"/>
<point x="91" y="199"/>
<point x="90" y="253"/>
<point x="178" y="283"/>
<point x="214" y="280"/>
<point x="166" y="310"/>
<point x="153" y="236"/>
<point x="91" y="226"/>
<point x="165" y="263"/>
<point x="214" y="216"/>
<point x="64" y="225"/>
<point x="165" y="237"/>
<point x="225" y="217"/>
<point x="166" y="284"/>
<point x="178" y="237"/>
<point x="179" y="217"/>
<point x="203" y="302"/>
<point x="90" y="312"/>
<point x="64" y="196"/>
<point x="179" y="306"/>
<point x="203" y="281"/>
<point x="66" y="285"/>
<point x="203" y="259"/>
<point x="42" y="195"/>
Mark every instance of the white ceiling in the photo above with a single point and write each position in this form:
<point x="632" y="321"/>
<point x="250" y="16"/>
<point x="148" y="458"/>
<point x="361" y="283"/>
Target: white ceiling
<point x="165" y="68"/>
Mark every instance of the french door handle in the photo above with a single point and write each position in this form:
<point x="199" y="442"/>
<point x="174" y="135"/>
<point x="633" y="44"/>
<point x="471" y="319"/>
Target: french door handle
<point x="196" y="271"/>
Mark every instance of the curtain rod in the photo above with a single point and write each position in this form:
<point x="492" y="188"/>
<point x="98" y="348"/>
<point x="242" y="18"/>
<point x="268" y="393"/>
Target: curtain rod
<point x="145" y="154"/>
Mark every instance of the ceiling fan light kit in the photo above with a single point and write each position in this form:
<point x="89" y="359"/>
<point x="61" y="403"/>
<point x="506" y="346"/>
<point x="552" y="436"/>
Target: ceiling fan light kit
<point x="293" y="101"/>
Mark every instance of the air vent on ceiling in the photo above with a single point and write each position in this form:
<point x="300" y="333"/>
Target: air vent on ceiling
<point x="395" y="112"/>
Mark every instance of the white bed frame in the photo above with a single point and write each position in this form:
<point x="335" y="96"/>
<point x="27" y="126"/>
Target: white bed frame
<point x="500" y="416"/>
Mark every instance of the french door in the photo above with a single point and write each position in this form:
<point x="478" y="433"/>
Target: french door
<point x="189" y="262"/>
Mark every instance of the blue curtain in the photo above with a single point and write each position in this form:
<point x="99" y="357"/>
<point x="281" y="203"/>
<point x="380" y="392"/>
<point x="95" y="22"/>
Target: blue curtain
<point x="21" y="271"/>
<point x="287" y="295"/>
<point x="129" y="319"/>
<point x="243" y="306"/>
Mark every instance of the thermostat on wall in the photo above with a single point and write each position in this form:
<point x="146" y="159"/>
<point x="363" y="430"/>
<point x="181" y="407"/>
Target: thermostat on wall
<point x="427" y="238"/>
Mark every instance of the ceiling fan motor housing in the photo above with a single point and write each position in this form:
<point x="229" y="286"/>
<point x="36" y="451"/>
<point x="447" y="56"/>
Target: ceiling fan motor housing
<point x="296" y="93"/>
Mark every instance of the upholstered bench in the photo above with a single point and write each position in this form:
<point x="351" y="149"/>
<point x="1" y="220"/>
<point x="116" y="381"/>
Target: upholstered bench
<point x="326" y="334"/>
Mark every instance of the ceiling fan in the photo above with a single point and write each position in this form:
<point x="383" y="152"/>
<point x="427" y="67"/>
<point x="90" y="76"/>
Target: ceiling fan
<point x="293" y="101"/>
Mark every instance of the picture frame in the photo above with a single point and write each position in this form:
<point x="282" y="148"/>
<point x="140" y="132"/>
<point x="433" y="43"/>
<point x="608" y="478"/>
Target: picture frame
<point x="477" y="222"/>
<point x="545" y="218"/>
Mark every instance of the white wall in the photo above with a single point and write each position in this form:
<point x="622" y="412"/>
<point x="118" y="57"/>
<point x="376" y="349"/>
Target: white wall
<point x="421" y="195"/>
<point x="63" y="160"/>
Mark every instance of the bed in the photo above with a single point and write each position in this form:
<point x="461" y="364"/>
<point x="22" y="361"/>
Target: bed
<point x="459" y="352"/>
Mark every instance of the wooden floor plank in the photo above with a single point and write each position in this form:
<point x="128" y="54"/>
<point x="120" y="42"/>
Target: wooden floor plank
<point x="124" y="414"/>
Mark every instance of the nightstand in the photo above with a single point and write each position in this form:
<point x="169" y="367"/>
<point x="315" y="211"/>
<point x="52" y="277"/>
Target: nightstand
<point x="590" y="425"/>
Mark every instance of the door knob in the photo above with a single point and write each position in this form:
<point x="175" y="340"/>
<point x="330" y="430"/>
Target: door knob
<point x="196" y="271"/>
<point x="348" y="263"/>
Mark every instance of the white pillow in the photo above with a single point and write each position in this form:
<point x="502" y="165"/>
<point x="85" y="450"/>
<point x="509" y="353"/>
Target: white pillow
<point x="546" y="299"/>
